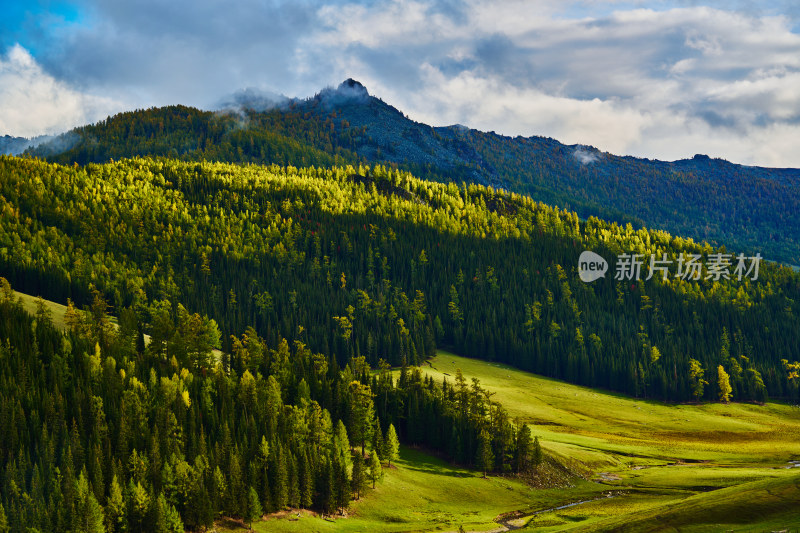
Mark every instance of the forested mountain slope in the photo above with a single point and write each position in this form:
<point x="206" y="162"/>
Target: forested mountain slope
<point x="749" y="208"/>
<point x="375" y="263"/>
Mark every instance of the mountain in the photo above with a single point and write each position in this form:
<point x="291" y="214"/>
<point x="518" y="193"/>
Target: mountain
<point x="748" y="209"/>
<point x="385" y="266"/>
<point x="16" y="145"/>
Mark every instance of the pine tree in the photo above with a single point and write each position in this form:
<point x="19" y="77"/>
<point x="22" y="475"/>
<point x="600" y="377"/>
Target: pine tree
<point x="358" y="480"/>
<point x="724" y="385"/>
<point x="254" y="510"/>
<point x="138" y="507"/>
<point x="392" y="445"/>
<point x="170" y="517"/>
<point x="262" y="462"/>
<point x="485" y="457"/>
<point x="537" y="456"/>
<point x="377" y="437"/>
<point x="280" y="481"/>
<point x="3" y="520"/>
<point x="306" y="480"/>
<point x="375" y="468"/>
<point x="115" y="508"/>
<point x="341" y="484"/>
<point x="294" y="481"/>
<point x="341" y="446"/>
<point x="89" y="514"/>
<point x="326" y="486"/>
<point x="236" y="487"/>
<point x="522" y="454"/>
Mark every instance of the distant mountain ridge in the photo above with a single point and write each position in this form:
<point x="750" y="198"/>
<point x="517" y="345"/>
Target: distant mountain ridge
<point x="748" y="209"/>
<point x="16" y="145"/>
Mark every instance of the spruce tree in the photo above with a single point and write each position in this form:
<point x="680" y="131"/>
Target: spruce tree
<point x="341" y="484"/>
<point x="306" y="476"/>
<point x="138" y="507"/>
<point x="170" y="517"/>
<point x="723" y="385"/>
<point x="359" y="477"/>
<point x="115" y="508"/>
<point x="377" y="437"/>
<point x="485" y="457"/>
<point x="254" y="510"/>
<point x="522" y="454"/>
<point x="88" y="513"/>
<point x="3" y="520"/>
<point x="280" y="479"/>
<point x="537" y="452"/>
<point x="375" y="468"/>
<point x="392" y="445"/>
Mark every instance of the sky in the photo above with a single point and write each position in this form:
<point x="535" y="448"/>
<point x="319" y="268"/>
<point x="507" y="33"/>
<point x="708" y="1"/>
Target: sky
<point x="659" y="79"/>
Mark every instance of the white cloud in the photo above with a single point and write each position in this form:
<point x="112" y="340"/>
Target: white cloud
<point x="628" y="76"/>
<point x="665" y="84"/>
<point x="33" y="102"/>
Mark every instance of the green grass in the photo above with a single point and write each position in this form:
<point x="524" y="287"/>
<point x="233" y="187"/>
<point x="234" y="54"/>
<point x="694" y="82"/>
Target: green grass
<point x="58" y="311"/>
<point x="427" y="494"/>
<point x="766" y="505"/>
<point x="601" y="427"/>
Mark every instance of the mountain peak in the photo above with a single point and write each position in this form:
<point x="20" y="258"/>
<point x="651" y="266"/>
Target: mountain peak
<point x="351" y="87"/>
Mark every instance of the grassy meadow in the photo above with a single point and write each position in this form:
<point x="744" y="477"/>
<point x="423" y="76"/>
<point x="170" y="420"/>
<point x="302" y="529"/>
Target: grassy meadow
<point x="647" y="466"/>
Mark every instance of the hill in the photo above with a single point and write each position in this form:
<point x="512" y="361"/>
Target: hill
<point x="668" y="467"/>
<point x="375" y="263"/>
<point x="746" y="208"/>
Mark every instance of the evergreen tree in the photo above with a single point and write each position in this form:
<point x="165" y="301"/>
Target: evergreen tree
<point x="280" y="482"/>
<point x="358" y="481"/>
<point x="89" y="514"/>
<point x="3" y="520"/>
<point x="341" y="484"/>
<point x="115" y="508"/>
<point x="536" y="457"/>
<point x="485" y="457"/>
<point x="392" y="445"/>
<point x="306" y="476"/>
<point x="341" y="446"/>
<point x="138" y="508"/>
<point x="170" y="517"/>
<point x="236" y="487"/>
<point x="377" y="437"/>
<point x="375" y="468"/>
<point x="522" y="454"/>
<point x="724" y="385"/>
<point x="254" y="510"/>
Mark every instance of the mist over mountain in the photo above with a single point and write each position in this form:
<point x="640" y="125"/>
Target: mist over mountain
<point x="747" y="209"/>
<point x="16" y="145"/>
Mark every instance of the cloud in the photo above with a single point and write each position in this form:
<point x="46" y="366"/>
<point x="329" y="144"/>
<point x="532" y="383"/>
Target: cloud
<point x="584" y="155"/>
<point x="664" y="78"/>
<point x="657" y="83"/>
<point x="33" y="102"/>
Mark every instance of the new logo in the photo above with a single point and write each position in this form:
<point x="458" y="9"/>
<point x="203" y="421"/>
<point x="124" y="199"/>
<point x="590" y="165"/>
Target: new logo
<point x="591" y="266"/>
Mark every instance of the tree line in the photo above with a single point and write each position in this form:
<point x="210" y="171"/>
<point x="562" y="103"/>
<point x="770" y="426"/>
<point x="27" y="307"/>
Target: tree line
<point x="102" y="431"/>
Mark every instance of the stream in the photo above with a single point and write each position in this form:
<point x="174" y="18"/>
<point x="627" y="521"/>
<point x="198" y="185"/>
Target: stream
<point x="506" y="520"/>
